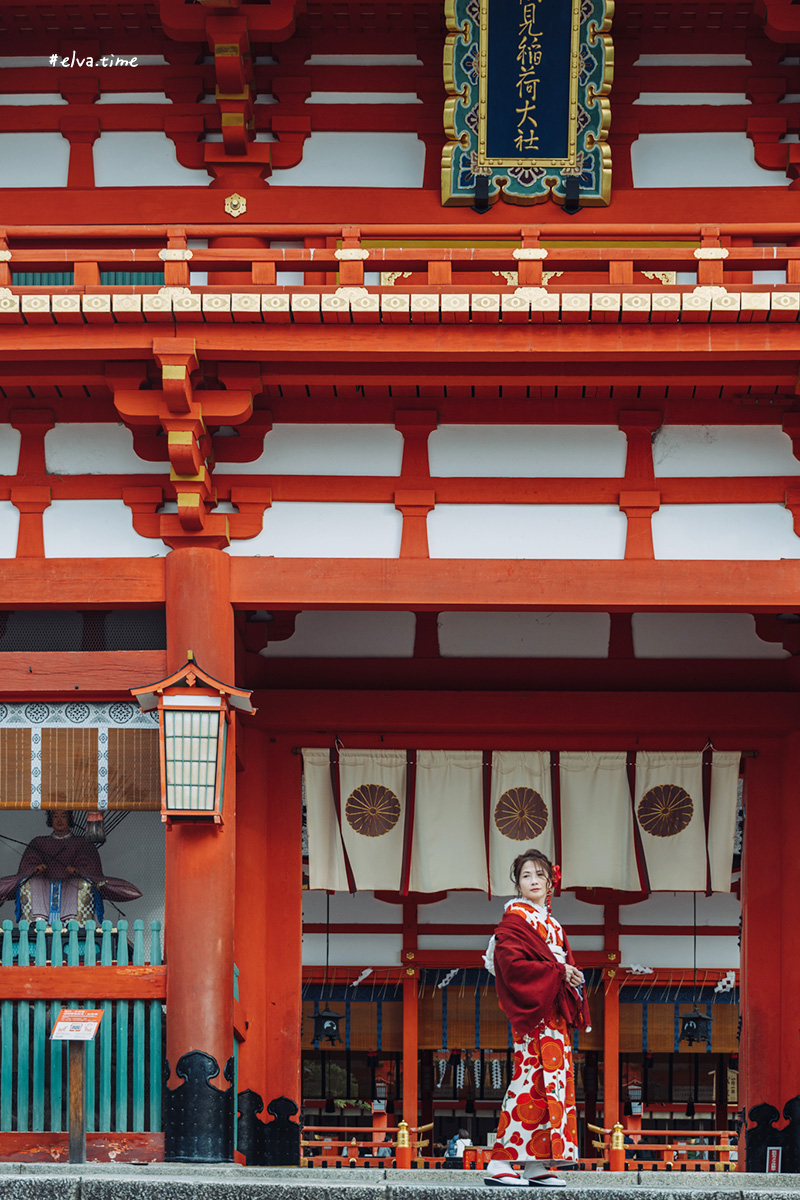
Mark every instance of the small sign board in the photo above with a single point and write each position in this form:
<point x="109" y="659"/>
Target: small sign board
<point x="774" y="1160"/>
<point x="76" y="1024"/>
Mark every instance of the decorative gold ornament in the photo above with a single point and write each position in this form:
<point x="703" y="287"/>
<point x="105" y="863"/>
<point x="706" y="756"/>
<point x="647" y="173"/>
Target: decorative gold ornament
<point x="665" y="810"/>
<point x="372" y="810"/>
<point x="235" y="205"/>
<point x="520" y="814"/>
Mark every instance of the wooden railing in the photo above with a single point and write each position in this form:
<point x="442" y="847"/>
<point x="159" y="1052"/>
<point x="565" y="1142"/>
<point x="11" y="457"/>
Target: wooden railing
<point x="42" y="969"/>
<point x="667" y="1149"/>
<point x="629" y="257"/>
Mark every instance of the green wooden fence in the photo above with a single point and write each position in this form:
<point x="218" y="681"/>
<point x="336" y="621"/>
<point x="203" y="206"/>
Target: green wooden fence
<point x="124" y="1063"/>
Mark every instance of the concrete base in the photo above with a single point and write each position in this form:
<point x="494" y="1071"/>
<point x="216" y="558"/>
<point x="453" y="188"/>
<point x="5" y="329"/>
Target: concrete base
<point x="104" y="1181"/>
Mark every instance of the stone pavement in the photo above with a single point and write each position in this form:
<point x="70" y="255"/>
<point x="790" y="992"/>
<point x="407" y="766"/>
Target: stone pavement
<point x="157" y="1181"/>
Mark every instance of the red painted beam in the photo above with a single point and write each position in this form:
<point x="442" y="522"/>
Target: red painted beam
<point x="493" y="584"/>
<point x="106" y="983"/>
<point x="98" y="671"/>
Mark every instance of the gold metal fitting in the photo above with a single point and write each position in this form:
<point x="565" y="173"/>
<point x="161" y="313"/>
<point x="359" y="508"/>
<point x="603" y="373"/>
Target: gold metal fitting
<point x="235" y="205"/>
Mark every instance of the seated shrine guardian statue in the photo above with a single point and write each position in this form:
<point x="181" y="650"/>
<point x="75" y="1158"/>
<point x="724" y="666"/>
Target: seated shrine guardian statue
<point x="60" y="877"/>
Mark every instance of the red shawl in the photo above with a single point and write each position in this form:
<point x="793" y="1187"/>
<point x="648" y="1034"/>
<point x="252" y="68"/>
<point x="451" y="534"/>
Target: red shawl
<point x="530" y="981"/>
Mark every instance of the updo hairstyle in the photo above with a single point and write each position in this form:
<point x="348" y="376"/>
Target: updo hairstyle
<point x="531" y="855"/>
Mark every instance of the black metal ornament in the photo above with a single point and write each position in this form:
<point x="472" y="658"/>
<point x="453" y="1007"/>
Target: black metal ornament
<point x="695" y="1027"/>
<point x="326" y="1027"/>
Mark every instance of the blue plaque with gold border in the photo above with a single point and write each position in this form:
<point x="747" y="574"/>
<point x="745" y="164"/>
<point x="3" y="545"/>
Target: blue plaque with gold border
<point x="527" y="84"/>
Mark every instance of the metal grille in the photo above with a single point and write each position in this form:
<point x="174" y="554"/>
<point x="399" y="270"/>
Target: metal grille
<point x="140" y="629"/>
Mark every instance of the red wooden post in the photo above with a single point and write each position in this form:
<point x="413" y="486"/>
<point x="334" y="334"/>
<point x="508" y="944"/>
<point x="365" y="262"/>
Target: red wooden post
<point x="200" y="860"/>
<point x="770" y="971"/>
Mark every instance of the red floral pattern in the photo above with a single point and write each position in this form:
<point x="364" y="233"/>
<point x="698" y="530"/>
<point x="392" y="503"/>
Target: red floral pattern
<point x="538" y="1120"/>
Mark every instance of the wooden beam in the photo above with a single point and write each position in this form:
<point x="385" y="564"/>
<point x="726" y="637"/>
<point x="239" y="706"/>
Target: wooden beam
<point x="83" y="583"/>
<point x="107" y="983"/>
<point x="68" y="671"/>
<point x="495" y="584"/>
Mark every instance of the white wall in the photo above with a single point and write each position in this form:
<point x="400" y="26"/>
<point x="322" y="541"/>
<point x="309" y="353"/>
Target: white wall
<point x="699" y="160"/>
<point x="746" y="532"/>
<point x="524" y="635"/>
<point x="700" y="635"/>
<point x="325" y="450"/>
<point x="95" y="448"/>
<point x="357" y="160"/>
<point x="33" y="160"/>
<point x="9" y="529"/>
<point x="716" y="451"/>
<point x="527" y="451"/>
<point x="95" y="529"/>
<point x="309" y="530"/>
<point x="142" y="160"/>
<point x="526" y="531"/>
<point x="356" y="634"/>
<point x="10" y="439"/>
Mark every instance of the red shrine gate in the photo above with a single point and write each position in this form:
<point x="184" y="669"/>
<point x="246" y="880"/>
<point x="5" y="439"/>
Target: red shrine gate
<point x="418" y="479"/>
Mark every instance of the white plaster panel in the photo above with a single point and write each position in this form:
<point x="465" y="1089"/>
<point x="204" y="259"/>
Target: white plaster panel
<point x="142" y="160"/>
<point x="95" y="448"/>
<point x="357" y="160"/>
<point x="698" y="160"/>
<point x="524" y="635"/>
<point x="700" y="635"/>
<point x="133" y="851"/>
<point x="712" y="953"/>
<point x="527" y="451"/>
<point x="363" y="60"/>
<point x="677" y="99"/>
<point x="348" y="635"/>
<point x="33" y="160"/>
<point x="745" y="532"/>
<point x="326" y="450"/>
<point x="363" y="98"/>
<point x="346" y="909"/>
<point x="676" y="908"/>
<point x="717" y="451"/>
<point x="95" y="529"/>
<point x="475" y="908"/>
<point x="32" y="99"/>
<point x="10" y="439"/>
<point x="9" y="529"/>
<point x="692" y="60"/>
<point x="353" y="949"/>
<point x="134" y="98"/>
<point x="311" y="530"/>
<point x="526" y="531"/>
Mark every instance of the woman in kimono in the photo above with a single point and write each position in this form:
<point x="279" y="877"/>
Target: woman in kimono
<point x="541" y="992"/>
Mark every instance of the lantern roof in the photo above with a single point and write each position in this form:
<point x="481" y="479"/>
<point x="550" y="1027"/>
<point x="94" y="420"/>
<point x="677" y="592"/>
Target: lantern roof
<point x="191" y="675"/>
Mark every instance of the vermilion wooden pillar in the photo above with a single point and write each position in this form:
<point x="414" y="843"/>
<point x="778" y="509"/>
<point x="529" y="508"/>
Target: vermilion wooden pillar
<point x="201" y="859"/>
<point x="269" y="916"/>
<point x="611" y="1049"/>
<point x="282" y="948"/>
<point x="770" y="967"/>
<point x="410" y="1047"/>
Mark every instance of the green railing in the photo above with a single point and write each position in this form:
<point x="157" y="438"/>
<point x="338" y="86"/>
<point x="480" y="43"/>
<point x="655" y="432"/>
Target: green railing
<point x="124" y="1063"/>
